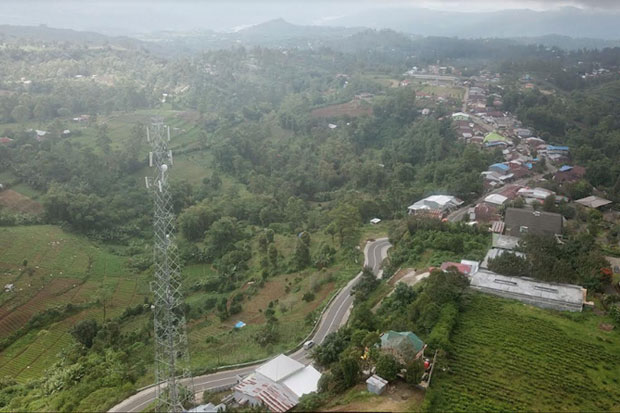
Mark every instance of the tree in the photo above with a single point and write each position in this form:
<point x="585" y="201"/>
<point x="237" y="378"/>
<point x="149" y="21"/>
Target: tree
<point x="415" y="371"/>
<point x="310" y="402"/>
<point x="21" y="113"/>
<point x="549" y="204"/>
<point x="222" y="235"/>
<point x="273" y="255"/>
<point x="329" y="351"/>
<point x="345" y="220"/>
<point x="510" y="264"/>
<point x="301" y="257"/>
<point x="387" y="367"/>
<point x="85" y="332"/>
<point x="350" y="369"/>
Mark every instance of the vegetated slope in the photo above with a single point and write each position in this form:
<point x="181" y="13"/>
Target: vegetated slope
<point x="508" y="356"/>
<point x="65" y="280"/>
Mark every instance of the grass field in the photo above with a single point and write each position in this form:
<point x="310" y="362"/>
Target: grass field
<point x="399" y="397"/>
<point x="511" y="357"/>
<point x="353" y="108"/>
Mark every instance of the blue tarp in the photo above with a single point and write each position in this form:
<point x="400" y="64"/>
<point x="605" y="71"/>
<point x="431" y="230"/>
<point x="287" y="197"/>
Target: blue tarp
<point x="529" y="165"/>
<point x="565" y="168"/>
<point x="240" y="324"/>
<point x="557" y="148"/>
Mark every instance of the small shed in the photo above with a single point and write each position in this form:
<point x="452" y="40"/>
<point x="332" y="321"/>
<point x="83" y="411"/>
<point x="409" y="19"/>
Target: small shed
<point x="376" y="384"/>
<point x="375" y="221"/>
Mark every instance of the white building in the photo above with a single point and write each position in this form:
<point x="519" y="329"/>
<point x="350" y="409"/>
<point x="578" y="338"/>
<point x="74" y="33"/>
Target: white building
<point x="278" y="384"/>
<point x="435" y="204"/>
<point x="496" y="199"/>
<point x="562" y="297"/>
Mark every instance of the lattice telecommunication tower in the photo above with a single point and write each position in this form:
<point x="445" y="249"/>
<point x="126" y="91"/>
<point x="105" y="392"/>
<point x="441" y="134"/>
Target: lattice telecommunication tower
<point x="172" y="373"/>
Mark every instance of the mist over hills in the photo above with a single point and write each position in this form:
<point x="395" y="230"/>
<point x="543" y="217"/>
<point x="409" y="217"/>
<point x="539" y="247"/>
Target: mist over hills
<point x="280" y="33"/>
<point x="568" y="21"/>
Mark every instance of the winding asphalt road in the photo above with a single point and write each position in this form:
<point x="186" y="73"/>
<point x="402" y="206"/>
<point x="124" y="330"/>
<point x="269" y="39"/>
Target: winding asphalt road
<point x="333" y="318"/>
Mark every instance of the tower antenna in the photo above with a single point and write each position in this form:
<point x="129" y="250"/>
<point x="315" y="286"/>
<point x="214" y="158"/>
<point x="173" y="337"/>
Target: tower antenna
<point x="172" y="372"/>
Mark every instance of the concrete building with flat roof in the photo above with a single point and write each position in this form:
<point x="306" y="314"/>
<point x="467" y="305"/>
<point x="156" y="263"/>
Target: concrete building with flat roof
<point x="561" y="297"/>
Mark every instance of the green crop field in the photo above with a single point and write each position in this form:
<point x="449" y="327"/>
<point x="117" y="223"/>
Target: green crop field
<point x="507" y="356"/>
<point x="64" y="268"/>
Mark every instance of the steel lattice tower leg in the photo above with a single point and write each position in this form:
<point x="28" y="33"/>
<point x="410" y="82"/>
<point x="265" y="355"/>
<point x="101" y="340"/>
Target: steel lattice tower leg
<point x="172" y="372"/>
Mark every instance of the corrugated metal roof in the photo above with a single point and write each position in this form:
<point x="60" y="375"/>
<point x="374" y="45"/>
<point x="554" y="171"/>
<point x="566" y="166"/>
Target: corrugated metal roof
<point x="273" y="395"/>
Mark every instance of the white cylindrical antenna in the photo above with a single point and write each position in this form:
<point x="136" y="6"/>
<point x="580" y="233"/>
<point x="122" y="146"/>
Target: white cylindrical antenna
<point x="170" y="157"/>
<point x="168" y="133"/>
<point x="146" y="181"/>
<point x="148" y="136"/>
<point x="159" y="185"/>
<point x="151" y="159"/>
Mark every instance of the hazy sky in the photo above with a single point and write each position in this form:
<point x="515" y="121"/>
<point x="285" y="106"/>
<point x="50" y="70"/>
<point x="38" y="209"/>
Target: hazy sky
<point x="135" y="16"/>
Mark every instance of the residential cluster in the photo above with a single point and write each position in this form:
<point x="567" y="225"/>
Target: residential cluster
<point x="279" y="383"/>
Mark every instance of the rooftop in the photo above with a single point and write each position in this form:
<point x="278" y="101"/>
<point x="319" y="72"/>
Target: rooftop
<point x="494" y="137"/>
<point x="395" y="338"/>
<point x="303" y="382"/>
<point x="505" y="242"/>
<point x="279" y="368"/>
<point x="593" y="201"/>
<point x="521" y="221"/>
<point x="547" y="295"/>
<point x="496" y="199"/>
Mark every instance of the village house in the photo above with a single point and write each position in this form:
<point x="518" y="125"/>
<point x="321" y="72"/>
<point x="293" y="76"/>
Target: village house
<point x="435" y="205"/>
<point x="278" y="384"/>
<point x="535" y="195"/>
<point x="484" y="213"/>
<point x="495" y="139"/>
<point x="464" y="268"/>
<point x="496" y="199"/>
<point x="523" y="132"/>
<point x="404" y="346"/>
<point x="568" y="174"/>
<point x="593" y="202"/>
<point x="519" y="222"/>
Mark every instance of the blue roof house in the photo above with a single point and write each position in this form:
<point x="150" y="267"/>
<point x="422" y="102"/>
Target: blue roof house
<point x="499" y="168"/>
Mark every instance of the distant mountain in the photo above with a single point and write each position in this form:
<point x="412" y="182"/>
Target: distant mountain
<point x="9" y="33"/>
<point x="279" y="29"/>
<point x="508" y="23"/>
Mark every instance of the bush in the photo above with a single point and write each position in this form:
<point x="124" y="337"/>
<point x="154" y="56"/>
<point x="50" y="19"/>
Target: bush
<point x="439" y="338"/>
<point x="309" y="296"/>
<point x="387" y="367"/>
<point x="310" y="402"/>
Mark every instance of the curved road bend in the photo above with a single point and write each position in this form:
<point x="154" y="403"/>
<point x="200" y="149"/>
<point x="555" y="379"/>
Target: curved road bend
<point x="335" y="316"/>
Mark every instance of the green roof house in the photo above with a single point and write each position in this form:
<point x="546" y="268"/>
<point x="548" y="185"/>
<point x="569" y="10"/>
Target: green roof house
<point x="494" y="137"/>
<point x="404" y="345"/>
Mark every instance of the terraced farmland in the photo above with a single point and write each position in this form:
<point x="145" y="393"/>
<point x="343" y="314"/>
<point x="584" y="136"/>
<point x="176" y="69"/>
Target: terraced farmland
<point x="508" y="356"/>
<point x="62" y="268"/>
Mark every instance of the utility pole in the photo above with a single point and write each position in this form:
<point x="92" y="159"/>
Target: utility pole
<point x="172" y="373"/>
